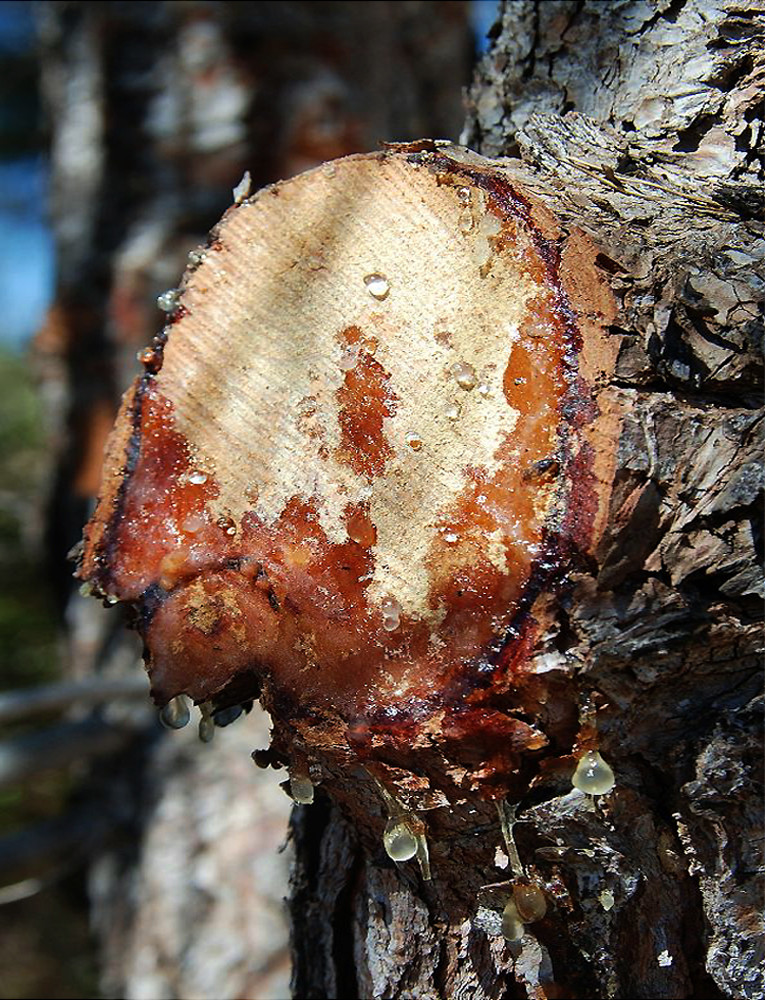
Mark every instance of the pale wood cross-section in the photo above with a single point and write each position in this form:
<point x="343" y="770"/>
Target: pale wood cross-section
<point x="360" y="449"/>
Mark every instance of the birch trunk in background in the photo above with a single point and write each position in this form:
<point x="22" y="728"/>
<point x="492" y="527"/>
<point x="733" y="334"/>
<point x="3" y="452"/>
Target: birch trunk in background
<point x="155" y="112"/>
<point x="640" y="124"/>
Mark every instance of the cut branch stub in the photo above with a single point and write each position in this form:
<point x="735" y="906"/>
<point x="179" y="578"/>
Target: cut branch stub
<point x="361" y="452"/>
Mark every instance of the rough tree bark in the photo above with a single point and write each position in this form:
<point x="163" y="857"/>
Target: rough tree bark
<point x="639" y="125"/>
<point x="642" y="125"/>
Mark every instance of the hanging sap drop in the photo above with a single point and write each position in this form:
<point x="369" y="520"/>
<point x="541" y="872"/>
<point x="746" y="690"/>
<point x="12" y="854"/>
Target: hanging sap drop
<point x="175" y="714"/>
<point x="512" y="925"/>
<point x="301" y="789"/>
<point x="391" y="611"/>
<point x="377" y="286"/>
<point x="464" y="376"/>
<point x="530" y="902"/>
<point x="592" y="775"/>
<point x="399" y="841"/>
<point x="242" y="189"/>
<point x="206" y="729"/>
<point x="606" y="899"/>
<point x="168" y="300"/>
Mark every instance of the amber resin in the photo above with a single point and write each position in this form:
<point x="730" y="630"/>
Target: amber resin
<point x="357" y="454"/>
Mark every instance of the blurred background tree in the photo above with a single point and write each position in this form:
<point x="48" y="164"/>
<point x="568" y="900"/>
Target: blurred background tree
<point x="140" y="119"/>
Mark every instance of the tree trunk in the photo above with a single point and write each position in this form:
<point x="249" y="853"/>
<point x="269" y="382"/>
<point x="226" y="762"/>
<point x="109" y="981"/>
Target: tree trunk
<point x="641" y="125"/>
<point x="633" y="188"/>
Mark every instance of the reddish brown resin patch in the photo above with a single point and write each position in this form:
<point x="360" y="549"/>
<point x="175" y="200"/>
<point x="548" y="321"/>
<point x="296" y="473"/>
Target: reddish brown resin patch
<point x="365" y="400"/>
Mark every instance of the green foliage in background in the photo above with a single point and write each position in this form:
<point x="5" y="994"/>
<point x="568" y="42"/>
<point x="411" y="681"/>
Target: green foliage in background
<point x="45" y="948"/>
<point x="28" y="653"/>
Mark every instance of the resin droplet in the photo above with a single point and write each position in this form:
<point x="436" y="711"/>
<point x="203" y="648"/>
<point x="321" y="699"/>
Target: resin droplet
<point x="538" y="329"/>
<point x="400" y="843"/>
<point x="391" y="610"/>
<point x="530" y="902"/>
<point x="414" y="441"/>
<point x="193" y="523"/>
<point x="452" y="412"/>
<point x="490" y="225"/>
<point x="377" y="286"/>
<point x="348" y="359"/>
<point x="197" y="478"/>
<point x="172" y="567"/>
<point x="168" y="300"/>
<point x="196" y="257"/>
<point x="606" y="899"/>
<point x="206" y="729"/>
<point x="465" y="221"/>
<point x="593" y="775"/>
<point x="512" y="925"/>
<point x="361" y="530"/>
<point x="464" y="376"/>
<point x="175" y="714"/>
<point x="301" y="789"/>
<point x="242" y="189"/>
